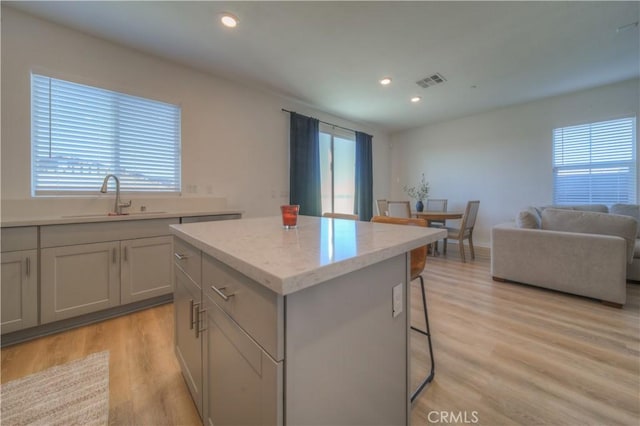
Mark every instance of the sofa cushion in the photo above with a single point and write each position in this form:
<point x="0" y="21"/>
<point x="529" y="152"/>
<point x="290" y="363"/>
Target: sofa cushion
<point x="591" y="208"/>
<point x="528" y="220"/>
<point x="632" y="210"/>
<point x="580" y="207"/>
<point x="592" y="223"/>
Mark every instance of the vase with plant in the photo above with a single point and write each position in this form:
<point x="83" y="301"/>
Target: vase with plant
<point x="418" y="193"/>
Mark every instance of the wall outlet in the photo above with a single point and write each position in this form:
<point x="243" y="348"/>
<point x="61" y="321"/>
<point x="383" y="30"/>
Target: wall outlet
<point x="397" y="300"/>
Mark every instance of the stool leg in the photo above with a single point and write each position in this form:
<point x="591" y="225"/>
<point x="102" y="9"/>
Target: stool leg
<point x="427" y="333"/>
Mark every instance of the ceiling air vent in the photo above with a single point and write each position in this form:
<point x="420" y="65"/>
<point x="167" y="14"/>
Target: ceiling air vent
<point x="432" y="80"/>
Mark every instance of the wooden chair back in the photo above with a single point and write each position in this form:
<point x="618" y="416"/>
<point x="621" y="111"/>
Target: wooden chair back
<point x="399" y="209"/>
<point x="419" y="255"/>
<point x="382" y="207"/>
<point x="470" y="214"/>
<point x="437" y="205"/>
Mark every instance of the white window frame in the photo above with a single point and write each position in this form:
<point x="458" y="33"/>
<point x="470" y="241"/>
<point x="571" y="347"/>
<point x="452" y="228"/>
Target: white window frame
<point x="81" y="133"/>
<point x="595" y="163"/>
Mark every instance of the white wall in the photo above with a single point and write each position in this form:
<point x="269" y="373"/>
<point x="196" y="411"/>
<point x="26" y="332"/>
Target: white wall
<point x="234" y="138"/>
<point x="502" y="157"/>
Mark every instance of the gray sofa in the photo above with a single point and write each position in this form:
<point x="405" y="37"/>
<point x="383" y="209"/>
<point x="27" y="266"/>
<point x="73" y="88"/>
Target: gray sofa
<point x="582" y="250"/>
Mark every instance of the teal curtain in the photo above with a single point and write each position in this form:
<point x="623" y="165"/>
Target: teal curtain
<point x="304" y="164"/>
<point x="364" y="176"/>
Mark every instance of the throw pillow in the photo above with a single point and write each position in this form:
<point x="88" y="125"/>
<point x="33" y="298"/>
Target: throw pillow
<point x="527" y="220"/>
<point x="632" y="210"/>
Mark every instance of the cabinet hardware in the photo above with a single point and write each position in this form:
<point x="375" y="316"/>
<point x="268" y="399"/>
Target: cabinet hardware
<point x="126" y="253"/>
<point x="225" y="297"/>
<point x="198" y="329"/>
<point x="198" y="312"/>
<point x="28" y="266"/>
<point x="113" y="255"/>
<point x="191" y="314"/>
<point x="180" y="256"/>
<point x="191" y="308"/>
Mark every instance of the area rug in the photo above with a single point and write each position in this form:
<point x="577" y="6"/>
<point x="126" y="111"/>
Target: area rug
<point x="76" y="393"/>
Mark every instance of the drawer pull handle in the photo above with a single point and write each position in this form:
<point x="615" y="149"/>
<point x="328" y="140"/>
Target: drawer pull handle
<point x="225" y="297"/>
<point x="180" y="256"/>
<point x="191" y="306"/>
<point x="198" y="329"/>
<point x="28" y="266"/>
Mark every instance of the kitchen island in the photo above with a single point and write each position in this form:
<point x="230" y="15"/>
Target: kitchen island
<point x="299" y="326"/>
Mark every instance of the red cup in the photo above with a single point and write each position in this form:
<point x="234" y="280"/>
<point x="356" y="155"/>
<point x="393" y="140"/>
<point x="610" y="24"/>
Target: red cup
<point x="289" y="216"/>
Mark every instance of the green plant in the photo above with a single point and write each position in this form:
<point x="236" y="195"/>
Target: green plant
<point x="418" y="192"/>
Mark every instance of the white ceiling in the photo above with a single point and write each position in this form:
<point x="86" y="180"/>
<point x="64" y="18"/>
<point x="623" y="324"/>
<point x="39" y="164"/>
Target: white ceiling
<point x="330" y="55"/>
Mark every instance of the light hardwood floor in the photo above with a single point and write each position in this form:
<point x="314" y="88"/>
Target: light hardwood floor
<point x="506" y="354"/>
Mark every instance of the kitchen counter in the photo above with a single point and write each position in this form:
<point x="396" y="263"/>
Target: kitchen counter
<point x="103" y="217"/>
<point x="298" y="326"/>
<point x="318" y="250"/>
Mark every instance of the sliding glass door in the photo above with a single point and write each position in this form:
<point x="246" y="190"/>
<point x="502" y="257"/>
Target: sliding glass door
<point x="337" y="167"/>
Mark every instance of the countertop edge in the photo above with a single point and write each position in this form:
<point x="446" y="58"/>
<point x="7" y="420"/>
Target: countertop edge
<point x="290" y="284"/>
<point x="65" y="220"/>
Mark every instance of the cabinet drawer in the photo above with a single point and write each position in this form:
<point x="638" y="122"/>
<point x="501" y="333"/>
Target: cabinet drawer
<point x="258" y="310"/>
<point x="19" y="238"/>
<point x="188" y="259"/>
<point x="83" y="233"/>
<point x="244" y="384"/>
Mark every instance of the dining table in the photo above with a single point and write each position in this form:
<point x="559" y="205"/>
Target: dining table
<point x="439" y="216"/>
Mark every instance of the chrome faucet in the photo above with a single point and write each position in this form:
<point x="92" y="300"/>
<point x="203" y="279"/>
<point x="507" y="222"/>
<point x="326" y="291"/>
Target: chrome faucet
<point x="119" y="205"/>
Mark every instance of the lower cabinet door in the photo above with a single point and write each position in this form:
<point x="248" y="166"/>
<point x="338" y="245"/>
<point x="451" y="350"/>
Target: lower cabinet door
<point x="79" y="279"/>
<point x="146" y="268"/>
<point x="19" y="284"/>
<point x="188" y="343"/>
<point x="243" y="384"/>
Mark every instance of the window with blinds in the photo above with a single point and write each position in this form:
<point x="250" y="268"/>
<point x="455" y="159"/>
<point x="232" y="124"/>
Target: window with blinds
<point x="80" y="134"/>
<point x="595" y="163"/>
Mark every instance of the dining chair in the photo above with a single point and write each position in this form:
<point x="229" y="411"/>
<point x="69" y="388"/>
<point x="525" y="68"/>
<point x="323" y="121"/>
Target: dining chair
<point x="436" y="205"/>
<point x="340" y="215"/>
<point x="418" y="260"/>
<point x="382" y="207"/>
<point x="465" y="232"/>
<point x="399" y="209"/>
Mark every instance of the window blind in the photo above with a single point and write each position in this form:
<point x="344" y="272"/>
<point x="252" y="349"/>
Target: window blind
<point x="595" y="163"/>
<point x="81" y="133"/>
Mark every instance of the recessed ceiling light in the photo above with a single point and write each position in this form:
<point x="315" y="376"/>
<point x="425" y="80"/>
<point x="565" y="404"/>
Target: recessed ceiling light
<point x="385" y="81"/>
<point x="416" y="99"/>
<point x="229" y="20"/>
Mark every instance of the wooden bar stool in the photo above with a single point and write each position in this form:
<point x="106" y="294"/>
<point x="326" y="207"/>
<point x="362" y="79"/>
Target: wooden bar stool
<point x="418" y="260"/>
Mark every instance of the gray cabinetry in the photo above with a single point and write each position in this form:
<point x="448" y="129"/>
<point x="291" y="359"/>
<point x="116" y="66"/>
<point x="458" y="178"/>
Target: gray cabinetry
<point x="79" y="279"/>
<point x="336" y="355"/>
<point x="19" y="281"/>
<point x="94" y="266"/>
<point x="188" y="339"/>
<point x="187" y="302"/>
<point x="146" y="270"/>
<point x="243" y="384"/>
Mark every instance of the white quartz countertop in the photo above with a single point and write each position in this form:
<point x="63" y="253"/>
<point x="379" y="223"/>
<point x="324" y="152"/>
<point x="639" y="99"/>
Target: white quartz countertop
<point x="103" y="217"/>
<point x="319" y="249"/>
